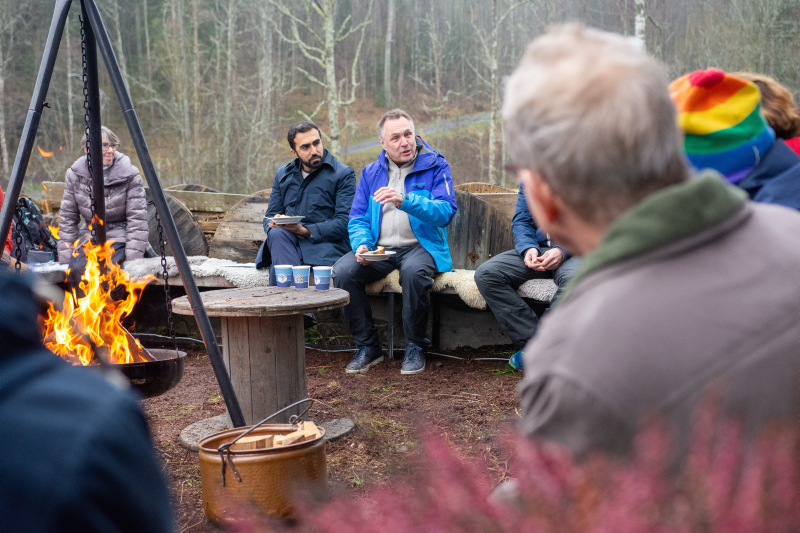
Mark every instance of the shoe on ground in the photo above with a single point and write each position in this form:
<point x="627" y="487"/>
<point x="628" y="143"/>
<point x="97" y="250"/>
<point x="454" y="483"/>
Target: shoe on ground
<point x="365" y="358"/>
<point x="516" y="361"/>
<point x="414" y="361"/>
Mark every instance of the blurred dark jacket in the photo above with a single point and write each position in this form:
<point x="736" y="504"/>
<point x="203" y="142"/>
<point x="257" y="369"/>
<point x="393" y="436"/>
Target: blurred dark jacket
<point x="75" y="450"/>
<point x="776" y="178"/>
<point x="323" y="199"/>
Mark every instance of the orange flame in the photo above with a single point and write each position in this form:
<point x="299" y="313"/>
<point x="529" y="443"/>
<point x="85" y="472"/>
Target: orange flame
<point x="53" y="230"/>
<point x="44" y="154"/>
<point x="96" y="315"/>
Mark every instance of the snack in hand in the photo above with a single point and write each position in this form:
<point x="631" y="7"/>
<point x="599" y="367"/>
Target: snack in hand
<point x="281" y="216"/>
<point x="377" y="251"/>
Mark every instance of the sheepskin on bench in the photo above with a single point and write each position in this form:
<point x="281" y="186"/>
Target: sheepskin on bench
<point x="202" y="267"/>
<point x="462" y="282"/>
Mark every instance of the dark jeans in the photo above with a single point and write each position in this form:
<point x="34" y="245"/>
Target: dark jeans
<point x="77" y="265"/>
<point x="498" y="280"/>
<point x="417" y="269"/>
<point x="285" y="250"/>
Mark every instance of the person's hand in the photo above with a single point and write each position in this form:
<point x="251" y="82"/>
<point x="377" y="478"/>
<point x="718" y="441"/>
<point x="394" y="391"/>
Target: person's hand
<point x="385" y="195"/>
<point x="297" y="229"/>
<point x="550" y="260"/>
<point x="531" y="258"/>
<point x="361" y="249"/>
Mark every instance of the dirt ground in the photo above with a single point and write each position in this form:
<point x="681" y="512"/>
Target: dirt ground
<point x="468" y="402"/>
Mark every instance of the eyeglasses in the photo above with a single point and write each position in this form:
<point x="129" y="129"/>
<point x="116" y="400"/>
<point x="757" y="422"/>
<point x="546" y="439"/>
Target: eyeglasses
<point x="106" y="146"/>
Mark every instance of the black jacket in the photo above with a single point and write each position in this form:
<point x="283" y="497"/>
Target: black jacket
<point x="324" y="199"/>
<point x="75" y="451"/>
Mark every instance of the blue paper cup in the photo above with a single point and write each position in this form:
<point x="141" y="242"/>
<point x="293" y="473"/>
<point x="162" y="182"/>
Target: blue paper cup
<point x="283" y="275"/>
<point x="301" y="276"/>
<point x="322" y="278"/>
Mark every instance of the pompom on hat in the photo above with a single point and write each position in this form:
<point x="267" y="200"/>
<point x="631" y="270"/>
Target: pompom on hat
<point x="721" y="117"/>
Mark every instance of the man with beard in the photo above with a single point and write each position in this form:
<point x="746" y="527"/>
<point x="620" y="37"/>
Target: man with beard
<point x="320" y="189"/>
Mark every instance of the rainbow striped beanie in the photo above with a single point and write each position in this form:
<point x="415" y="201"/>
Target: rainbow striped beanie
<point x="721" y="117"/>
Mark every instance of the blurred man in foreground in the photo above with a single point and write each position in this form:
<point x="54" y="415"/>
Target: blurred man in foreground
<point x="75" y="453"/>
<point x="671" y="299"/>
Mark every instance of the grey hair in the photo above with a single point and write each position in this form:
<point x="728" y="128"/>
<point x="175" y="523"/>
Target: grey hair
<point x="590" y="112"/>
<point x="393" y="114"/>
<point x="105" y="133"/>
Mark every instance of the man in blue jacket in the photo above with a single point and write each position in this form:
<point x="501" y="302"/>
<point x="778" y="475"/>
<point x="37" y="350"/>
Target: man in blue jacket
<point x="403" y="203"/>
<point x="533" y="258"/>
<point x="318" y="187"/>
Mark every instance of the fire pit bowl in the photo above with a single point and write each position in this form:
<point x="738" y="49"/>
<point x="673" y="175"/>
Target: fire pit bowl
<point x="154" y="378"/>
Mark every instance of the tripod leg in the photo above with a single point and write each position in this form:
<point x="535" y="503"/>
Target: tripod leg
<point x="34" y="115"/>
<point x="160" y="201"/>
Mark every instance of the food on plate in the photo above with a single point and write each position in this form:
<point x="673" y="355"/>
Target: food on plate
<point x="282" y="216"/>
<point x="377" y="251"/>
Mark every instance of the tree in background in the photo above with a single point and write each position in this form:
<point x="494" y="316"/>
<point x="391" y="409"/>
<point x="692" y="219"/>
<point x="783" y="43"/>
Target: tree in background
<point x="321" y="49"/>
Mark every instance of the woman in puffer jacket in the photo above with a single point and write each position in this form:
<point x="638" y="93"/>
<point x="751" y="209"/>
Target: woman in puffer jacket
<point x="126" y="207"/>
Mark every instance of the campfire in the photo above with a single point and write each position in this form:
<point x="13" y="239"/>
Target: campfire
<point x="89" y="323"/>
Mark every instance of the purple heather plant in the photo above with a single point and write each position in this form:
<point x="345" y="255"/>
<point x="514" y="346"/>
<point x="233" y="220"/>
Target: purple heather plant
<point x="721" y="484"/>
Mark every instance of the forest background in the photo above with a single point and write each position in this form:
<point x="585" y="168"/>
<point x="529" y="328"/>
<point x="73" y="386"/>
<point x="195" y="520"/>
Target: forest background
<point x="216" y="83"/>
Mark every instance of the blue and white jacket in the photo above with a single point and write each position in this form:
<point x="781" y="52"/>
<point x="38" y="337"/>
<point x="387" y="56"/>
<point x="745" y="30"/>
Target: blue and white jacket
<point x="430" y="202"/>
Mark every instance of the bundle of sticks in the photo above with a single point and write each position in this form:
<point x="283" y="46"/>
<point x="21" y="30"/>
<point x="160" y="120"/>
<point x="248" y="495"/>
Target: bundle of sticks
<point x="306" y="432"/>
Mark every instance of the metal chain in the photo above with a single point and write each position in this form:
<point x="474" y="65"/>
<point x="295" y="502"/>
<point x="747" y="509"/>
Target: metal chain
<point x="86" y="128"/>
<point x="165" y="275"/>
<point x="18" y="251"/>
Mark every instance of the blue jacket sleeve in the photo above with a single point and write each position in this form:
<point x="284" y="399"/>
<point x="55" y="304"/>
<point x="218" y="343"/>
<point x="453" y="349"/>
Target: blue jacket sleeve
<point x="441" y="208"/>
<point x="275" y="205"/>
<point x="526" y="234"/>
<point x="335" y="229"/>
<point x="360" y="225"/>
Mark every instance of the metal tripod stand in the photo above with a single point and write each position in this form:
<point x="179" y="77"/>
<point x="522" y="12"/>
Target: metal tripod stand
<point x="97" y="36"/>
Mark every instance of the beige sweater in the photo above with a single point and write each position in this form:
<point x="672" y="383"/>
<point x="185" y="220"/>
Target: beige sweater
<point x="396" y="229"/>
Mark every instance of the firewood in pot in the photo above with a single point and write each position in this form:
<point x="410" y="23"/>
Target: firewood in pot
<point x="256" y="442"/>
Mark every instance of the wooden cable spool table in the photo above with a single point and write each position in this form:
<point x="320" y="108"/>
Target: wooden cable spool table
<point x="263" y="343"/>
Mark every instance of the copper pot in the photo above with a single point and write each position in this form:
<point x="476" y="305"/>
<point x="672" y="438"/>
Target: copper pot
<point x="268" y="478"/>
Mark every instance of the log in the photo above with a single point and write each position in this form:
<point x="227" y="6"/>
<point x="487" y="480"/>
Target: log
<point x="478" y="232"/>
<point x="194" y="242"/>
<point x="193" y="187"/>
<point x="480" y="187"/>
<point x="241" y="232"/>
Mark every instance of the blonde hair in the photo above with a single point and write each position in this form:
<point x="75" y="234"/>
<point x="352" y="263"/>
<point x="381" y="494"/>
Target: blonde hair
<point x="590" y="112"/>
<point x="777" y="104"/>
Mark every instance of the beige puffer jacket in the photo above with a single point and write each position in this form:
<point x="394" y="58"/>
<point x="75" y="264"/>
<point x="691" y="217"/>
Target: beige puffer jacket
<point x="125" y="202"/>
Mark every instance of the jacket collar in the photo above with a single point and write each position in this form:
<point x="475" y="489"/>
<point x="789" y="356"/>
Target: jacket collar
<point x="702" y="202"/>
<point x="426" y="157"/>
<point x="778" y="160"/>
<point x="121" y="170"/>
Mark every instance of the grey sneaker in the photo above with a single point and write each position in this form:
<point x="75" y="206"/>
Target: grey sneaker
<point x="365" y="358"/>
<point x="414" y="361"/>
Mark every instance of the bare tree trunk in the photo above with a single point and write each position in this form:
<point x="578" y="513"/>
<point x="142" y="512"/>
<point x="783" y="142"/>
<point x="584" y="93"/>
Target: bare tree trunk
<point x="149" y="59"/>
<point x="387" y="57"/>
<point x="641" y="22"/>
<point x="197" y="112"/>
<point x="494" y="97"/>
<point x="70" y="98"/>
<point x="119" y="51"/>
<point x="139" y="51"/>
<point x="227" y="116"/>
